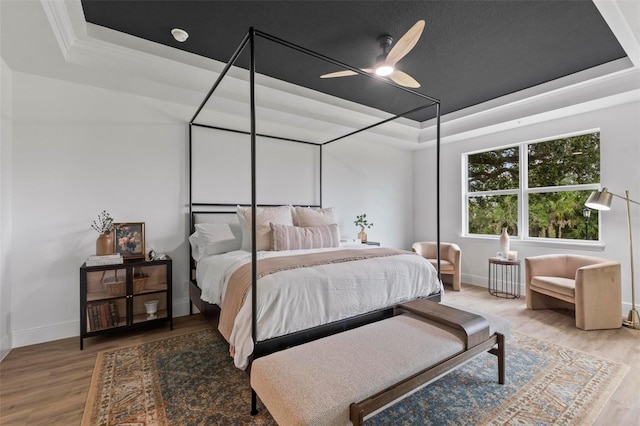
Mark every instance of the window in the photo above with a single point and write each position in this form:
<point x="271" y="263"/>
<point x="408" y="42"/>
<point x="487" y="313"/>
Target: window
<point x="535" y="189"/>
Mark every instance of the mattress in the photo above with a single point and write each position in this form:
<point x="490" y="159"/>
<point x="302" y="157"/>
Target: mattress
<point x="301" y="298"/>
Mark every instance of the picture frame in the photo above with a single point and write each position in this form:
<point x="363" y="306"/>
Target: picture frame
<point x="129" y="239"/>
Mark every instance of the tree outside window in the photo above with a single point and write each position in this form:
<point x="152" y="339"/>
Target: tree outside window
<point x="545" y="198"/>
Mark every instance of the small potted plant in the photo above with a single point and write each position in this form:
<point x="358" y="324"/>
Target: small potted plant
<point x="362" y="222"/>
<point x="104" y="226"/>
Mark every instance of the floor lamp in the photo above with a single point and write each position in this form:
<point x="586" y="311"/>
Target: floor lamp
<point x="601" y="200"/>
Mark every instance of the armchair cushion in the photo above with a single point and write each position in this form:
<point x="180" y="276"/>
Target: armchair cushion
<point x="445" y="265"/>
<point x="560" y="285"/>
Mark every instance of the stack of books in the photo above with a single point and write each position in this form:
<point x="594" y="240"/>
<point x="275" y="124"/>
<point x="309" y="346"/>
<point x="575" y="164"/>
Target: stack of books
<point x="102" y="315"/>
<point x="107" y="259"/>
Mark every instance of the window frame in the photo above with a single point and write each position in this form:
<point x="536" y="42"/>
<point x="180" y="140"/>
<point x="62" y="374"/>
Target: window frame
<point x="523" y="192"/>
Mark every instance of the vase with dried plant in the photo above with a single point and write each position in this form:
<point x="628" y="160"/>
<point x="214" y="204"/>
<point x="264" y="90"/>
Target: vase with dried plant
<point x="104" y="226"/>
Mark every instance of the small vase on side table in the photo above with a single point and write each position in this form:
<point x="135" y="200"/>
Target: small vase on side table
<point x="363" y="236"/>
<point x="504" y="243"/>
<point x="104" y="244"/>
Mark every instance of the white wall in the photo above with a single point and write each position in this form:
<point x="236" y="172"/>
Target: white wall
<point x="6" y="114"/>
<point x="620" y="170"/>
<point x="78" y="150"/>
<point x="358" y="177"/>
<point x="361" y="177"/>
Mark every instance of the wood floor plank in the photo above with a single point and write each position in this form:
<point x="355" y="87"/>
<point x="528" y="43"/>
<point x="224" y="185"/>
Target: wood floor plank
<point x="47" y="384"/>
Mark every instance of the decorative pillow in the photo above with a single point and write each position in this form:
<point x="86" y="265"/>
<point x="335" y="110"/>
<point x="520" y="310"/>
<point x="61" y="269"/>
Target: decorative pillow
<point x="281" y="215"/>
<point x="215" y="238"/>
<point x="306" y="216"/>
<point x="308" y="237"/>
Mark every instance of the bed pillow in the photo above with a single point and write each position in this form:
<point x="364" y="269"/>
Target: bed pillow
<point x="215" y="238"/>
<point x="195" y="248"/>
<point x="281" y="215"/>
<point x="306" y="216"/>
<point x="297" y="237"/>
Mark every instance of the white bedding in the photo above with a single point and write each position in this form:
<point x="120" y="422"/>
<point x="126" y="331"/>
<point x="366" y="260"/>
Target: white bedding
<point x="298" y="299"/>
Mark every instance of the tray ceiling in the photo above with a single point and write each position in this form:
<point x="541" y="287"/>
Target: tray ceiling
<point x="470" y="51"/>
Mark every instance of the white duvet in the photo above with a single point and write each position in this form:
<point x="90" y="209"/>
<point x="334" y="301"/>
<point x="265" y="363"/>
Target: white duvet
<point x="298" y="299"/>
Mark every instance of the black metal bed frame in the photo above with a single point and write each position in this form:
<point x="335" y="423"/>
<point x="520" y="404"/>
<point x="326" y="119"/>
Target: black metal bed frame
<point x="271" y="345"/>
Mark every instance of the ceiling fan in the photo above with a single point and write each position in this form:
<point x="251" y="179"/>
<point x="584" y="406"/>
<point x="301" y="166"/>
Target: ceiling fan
<point x="385" y="63"/>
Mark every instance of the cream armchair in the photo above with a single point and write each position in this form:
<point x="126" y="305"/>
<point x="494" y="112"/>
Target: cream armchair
<point x="590" y="286"/>
<point x="449" y="259"/>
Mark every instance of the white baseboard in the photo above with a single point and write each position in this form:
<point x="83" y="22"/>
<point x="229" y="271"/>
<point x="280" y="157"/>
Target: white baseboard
<point x="49" y="333"/>
<point x="32" y="336"/>
<point x="626" y="307"/>
<point x="181" y="307"/>
<point x="477" y="280"/>
<point x="5" y="346"/>
<point x="480" y="281"/>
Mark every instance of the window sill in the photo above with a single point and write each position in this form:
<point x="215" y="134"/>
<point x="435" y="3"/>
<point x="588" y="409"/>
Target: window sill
<point x="538" y="242"/>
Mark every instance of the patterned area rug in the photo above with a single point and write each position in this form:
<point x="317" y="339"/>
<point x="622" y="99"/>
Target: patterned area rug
<point x="190" y="380"/>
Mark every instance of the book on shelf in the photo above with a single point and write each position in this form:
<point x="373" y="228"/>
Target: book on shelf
<point x="109" y="259"/>
<point x="102" y="315"/>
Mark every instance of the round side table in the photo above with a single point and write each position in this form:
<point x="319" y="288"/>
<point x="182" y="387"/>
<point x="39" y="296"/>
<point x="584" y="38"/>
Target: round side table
<point x="504" y="278"/>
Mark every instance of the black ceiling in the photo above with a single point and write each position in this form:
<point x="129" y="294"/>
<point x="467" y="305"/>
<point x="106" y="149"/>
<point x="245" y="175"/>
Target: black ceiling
<point x="469" y="52"/>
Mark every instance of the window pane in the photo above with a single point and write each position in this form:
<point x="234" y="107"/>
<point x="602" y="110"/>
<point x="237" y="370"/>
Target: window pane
<point x="488" y="214"/>
<point x="494" y="170"/>
<point x="560" y="215"/>
<point x="567" y="161"/>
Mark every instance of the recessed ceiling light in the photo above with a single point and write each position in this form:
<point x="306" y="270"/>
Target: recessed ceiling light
<point x="179" y="35"/>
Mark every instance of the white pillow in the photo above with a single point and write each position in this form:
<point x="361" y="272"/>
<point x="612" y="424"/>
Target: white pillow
<point x="306" y="216"/>
<point x="215" y="238"/>
<point x="297" y="237"/>
<point x="281" y="215"/>
<point x="195" y="248"/>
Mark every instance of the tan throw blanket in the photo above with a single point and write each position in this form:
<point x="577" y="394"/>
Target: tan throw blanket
<point x="240" y="281"/>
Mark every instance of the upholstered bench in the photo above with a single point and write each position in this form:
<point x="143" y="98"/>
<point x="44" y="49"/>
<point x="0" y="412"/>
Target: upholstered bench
<point x="342" y="379"/>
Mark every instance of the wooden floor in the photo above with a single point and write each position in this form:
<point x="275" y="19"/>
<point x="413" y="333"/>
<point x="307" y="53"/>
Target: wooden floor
<point x="47" y="384"/>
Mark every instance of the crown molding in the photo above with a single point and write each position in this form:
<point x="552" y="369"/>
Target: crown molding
<point x="82" y="43"/>
<point x="92" y="46"/>
<point x="287" y="106"/>
<point x="60" y="21"/>
<point x="608" y="85"/>
<point x="623" y="17"/>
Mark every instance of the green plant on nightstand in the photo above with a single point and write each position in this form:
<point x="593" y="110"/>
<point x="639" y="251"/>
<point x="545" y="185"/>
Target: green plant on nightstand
<point x="362" y="222"/>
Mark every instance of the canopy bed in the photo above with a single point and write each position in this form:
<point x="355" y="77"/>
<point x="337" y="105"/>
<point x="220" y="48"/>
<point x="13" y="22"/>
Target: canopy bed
<point x="291" y="248"/>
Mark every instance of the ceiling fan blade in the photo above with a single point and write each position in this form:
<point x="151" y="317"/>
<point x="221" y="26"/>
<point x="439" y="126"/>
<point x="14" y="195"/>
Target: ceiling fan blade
<point x="403" y="79"/>
<point x="405" y="44"/>
<point x="339" y="74"/>
<point x="345" y="73"/>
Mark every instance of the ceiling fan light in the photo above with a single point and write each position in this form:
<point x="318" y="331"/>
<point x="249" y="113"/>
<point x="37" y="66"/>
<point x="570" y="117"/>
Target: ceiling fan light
<point x="179" y="35"/>
<point x="384" y="70"/>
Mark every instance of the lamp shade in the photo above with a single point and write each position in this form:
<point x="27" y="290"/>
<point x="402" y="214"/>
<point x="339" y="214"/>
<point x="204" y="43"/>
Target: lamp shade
<point x="600" y="200"/>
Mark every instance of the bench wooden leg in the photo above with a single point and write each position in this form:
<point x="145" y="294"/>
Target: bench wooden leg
<point x="357" y="415"/>
<point x="500" y="353"/>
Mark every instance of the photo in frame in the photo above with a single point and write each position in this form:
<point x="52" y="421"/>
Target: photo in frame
<point x="129" y="239"/>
